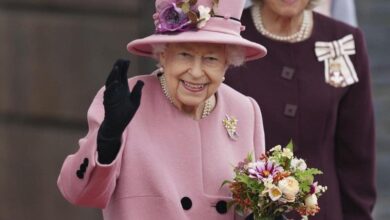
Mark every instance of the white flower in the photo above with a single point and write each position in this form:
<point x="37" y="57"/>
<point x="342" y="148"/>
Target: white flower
<point x="287" y="153"/>
<point x="268" y="182"/>
<point x="276" y="148"/>
<point x="267" y="185"/>
<point x="289" y="187"/>
<point x="321" y="189"/>
<point x="311" y="201"/>
<point x="274" y="193"/>
<point x="273" y="160"/>
<point x="299" y="164"/>
<point x="204" y="15"/>
<point x="251" y="165"/>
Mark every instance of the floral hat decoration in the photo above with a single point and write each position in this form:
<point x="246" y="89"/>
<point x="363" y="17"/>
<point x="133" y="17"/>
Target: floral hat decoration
<point x="200" y="21"/>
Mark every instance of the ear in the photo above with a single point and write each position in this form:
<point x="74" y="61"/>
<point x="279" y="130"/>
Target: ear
<point x="162" y="58"/>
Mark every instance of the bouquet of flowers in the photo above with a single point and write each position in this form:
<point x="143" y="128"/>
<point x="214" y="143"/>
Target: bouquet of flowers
<point x="275" y="184"/>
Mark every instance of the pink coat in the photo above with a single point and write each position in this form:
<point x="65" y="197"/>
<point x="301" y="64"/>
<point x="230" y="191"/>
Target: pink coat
<point x="169" y="166"/>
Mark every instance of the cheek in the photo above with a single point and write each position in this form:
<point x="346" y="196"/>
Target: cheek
<point x="174" y="70"/>
<point x="172" y="82"/>
<point x="213" y="88"/>
<point x="216" y="79"/>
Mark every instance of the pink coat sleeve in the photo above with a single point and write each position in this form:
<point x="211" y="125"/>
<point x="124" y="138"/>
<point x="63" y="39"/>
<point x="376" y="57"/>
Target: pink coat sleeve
<point x="93" y="185"/>
<point x="259" y="138"/>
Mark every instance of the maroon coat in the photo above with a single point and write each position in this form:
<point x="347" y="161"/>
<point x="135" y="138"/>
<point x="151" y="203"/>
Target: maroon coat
<point x="333" y="128"/>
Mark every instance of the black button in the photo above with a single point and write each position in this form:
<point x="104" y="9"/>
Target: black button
<point x="221" y="207"/>
<point x="83" y="167"/>
<point x="290" y="110"/>
<point x="86" y="161"/>
<point x="186" y="203"/>
<point x="288" y="73"/>
<point x="80" y="174"/>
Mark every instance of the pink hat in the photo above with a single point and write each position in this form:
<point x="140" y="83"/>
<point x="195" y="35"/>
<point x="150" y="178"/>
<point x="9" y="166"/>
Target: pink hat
<point x="208" y="21"/>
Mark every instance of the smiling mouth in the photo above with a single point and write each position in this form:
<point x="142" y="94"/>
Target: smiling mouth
<point x="289" y="1"/>
<point x="193" y="87"/>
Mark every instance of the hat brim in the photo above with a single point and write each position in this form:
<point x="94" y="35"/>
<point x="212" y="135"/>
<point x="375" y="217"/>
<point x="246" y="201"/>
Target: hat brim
<point x="143" y="46"/>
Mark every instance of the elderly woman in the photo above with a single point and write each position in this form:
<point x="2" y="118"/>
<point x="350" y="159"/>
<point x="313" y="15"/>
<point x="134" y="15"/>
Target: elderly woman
<point x="164" y="154"/>
<point x="314" y="88"/>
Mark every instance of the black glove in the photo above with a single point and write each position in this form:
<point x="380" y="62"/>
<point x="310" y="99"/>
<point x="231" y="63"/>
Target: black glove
<point x="120" y="105"/>
<point x="249" y="217"/>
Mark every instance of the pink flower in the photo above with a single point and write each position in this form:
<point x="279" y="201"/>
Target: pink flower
<point x="264" y="170"/>
<point x="313" y="188"/>
<point x="241" y="167"/>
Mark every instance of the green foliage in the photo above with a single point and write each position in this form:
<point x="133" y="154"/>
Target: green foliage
<point x="306" y="178"/>
<point x="249" y="157"/>
<point x="290" y="145"/>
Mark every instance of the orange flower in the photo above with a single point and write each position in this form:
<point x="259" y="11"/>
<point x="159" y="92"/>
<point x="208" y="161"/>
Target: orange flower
<point x="281" y="175"/>
<point x="305" y="210"/>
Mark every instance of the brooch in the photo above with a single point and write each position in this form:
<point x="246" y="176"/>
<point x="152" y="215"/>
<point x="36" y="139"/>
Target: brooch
<point x="339" y="69"/>
<point x="230" y="124"/>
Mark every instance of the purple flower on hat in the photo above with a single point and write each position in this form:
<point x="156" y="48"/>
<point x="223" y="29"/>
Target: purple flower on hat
<point x="171" y="18"/>
<point x="181" y="15"/>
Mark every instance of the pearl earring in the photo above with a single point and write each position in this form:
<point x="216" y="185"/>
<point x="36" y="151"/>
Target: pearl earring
<point x="161" y="69"/>
<point x="223" y="78"/>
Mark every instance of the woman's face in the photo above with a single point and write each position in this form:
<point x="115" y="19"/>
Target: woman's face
<point x="286" y="8"/>
<point x="193" y="71"/>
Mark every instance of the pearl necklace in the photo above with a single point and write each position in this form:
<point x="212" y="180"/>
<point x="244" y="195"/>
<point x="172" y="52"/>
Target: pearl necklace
<point x="302" y="34"/>
<point x="207" y="105"/>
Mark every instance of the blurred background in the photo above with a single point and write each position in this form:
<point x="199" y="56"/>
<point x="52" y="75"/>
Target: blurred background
<point x="56" y="54"/>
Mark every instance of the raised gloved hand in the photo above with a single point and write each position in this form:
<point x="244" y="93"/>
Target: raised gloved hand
<point x="120" y="106"/>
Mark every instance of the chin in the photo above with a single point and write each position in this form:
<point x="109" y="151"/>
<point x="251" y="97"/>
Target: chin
<point x="289" y="12"/>
<point x="190" y="101"/>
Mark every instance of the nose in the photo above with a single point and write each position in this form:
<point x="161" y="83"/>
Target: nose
<point x="196" y="70"/>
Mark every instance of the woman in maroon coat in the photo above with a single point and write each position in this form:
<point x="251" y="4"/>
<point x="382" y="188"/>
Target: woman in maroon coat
<point x="314" y="87"/>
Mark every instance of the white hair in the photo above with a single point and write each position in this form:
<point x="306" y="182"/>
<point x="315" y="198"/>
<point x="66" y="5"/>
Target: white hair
<point x="235" y="54"/>
<point x="157" y="49"/>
